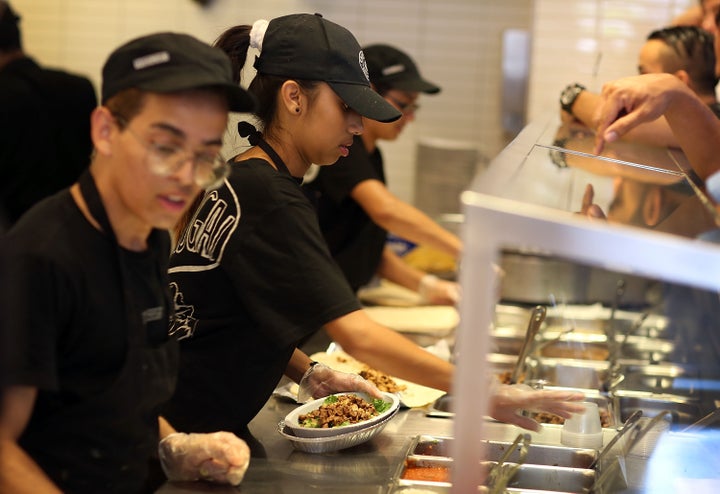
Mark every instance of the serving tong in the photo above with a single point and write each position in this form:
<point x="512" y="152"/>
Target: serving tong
<point x="610" y="478"/>
<point x="536" y="319"/>
<point x="502" y="472"/>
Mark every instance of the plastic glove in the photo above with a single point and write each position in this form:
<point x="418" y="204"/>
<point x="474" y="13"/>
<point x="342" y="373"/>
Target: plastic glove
<point x="320" y="380"/>
<point x="433" y="290"/>
<point x="509" y="401"/>
<point x="217" y="457"/>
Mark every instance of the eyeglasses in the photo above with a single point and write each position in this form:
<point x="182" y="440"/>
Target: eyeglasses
<point x="165" y="157"/>
<point x="406" y="107"/>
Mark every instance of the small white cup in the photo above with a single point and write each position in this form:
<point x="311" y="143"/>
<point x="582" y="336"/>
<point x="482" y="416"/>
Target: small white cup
<point x="583" y="430"/>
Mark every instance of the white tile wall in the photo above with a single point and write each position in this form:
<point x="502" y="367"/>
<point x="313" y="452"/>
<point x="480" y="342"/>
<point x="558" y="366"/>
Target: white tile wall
<point x="457" y="43"/>
<point x="589" y="41"/>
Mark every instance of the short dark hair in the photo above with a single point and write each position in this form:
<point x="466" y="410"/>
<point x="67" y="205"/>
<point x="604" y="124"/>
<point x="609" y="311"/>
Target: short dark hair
<point x="10" y="39"/>
<point x="695" y="52"/>
<point x="127" y="104"/>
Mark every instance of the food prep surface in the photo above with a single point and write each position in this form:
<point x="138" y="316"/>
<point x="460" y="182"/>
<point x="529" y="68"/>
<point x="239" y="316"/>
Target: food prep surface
<point x="278" y="467"/>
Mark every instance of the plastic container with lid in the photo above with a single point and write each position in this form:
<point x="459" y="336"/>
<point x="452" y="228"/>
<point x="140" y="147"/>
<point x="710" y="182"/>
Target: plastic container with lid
<point x="583" y="430"/>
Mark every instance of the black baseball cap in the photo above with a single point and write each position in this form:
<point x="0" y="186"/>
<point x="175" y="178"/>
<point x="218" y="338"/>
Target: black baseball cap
<point x="393" y="68"/>
<point x="308" y="46"/>
<point x="168" y="62"/>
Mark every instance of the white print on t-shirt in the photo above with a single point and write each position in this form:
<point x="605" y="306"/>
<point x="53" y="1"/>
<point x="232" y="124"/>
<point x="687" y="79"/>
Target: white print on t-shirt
<point x="183" y="323"/>
<point x="209" y="231"/>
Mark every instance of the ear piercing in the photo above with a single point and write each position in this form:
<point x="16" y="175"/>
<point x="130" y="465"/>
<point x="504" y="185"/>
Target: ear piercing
<point x="297" y="109"/>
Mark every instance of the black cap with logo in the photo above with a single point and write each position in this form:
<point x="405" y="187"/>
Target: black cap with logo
<point x="393" y="68"/>
<point x="168" y="62"/>
<point x="307" y="46"/>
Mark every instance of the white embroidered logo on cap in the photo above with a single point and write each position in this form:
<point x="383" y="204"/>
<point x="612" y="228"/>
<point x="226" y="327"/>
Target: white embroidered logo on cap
<point x="393" y="69"/>
<point x="150" y="60"/>
<point x="363" y="66"/>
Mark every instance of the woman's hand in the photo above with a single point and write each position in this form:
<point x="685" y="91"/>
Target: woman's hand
<point x="510" y="400"/>
<point x="434" y="291"/>
<point x="218" y="457"/>
<point x="589" y="208"/>
<point x="320" y="381"/>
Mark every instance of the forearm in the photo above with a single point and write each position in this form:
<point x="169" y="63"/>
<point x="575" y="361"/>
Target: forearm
<point x="389" y="351"/>
<point x="584" y="107"/>
<point x="412" y="224"/>
<point x="299" y="363"/>
<point x="19" y="473"/>
<point x="632" y="101"/>
<point x="698" y="131"/>
<point x="399" y="217"/>
<point x="394" y="269"/>
<point x="655" y="133"/>
<point x="164" y="428"/>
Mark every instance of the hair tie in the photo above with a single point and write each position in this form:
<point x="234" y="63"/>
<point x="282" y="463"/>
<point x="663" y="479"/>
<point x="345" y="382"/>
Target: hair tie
<point x="246" y="129"/>
<point x="257" y="33"/>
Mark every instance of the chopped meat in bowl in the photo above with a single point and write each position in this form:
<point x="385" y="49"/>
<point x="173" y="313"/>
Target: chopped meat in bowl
<point x="340" y="413"/>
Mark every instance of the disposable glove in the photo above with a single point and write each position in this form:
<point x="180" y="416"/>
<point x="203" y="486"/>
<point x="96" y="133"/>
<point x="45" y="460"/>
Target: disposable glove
<point x="217" y="457"/>
<point x="320" y="380"/>
<point x="509" y="401"/>
<point x="434" y="291"/>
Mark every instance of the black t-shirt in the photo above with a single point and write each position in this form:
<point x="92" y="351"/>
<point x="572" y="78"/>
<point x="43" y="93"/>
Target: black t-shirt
<point x="251" y="277"/>
<point x="47" y="110"/>
<point x="64" y="330"/>
<point x="355" y="241"/>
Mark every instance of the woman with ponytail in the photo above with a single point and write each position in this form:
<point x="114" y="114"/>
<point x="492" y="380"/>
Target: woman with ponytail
<point x="251" y="273"/>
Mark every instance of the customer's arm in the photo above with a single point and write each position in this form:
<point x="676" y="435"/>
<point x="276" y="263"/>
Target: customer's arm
<point x="656" y="132"/>
<point x="629" y="102"/>
<point x="399" y="217"/>
<point x="18" y="471"/>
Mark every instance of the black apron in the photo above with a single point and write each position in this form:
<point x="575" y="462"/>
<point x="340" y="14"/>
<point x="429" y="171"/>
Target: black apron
<point x="116" y="448"/>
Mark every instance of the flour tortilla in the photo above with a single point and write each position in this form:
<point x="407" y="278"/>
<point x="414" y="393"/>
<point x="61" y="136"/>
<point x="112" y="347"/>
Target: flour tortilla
<point x="436" y="320"/>
<point x="413" y="396"/>
<point x="389" y="294"/>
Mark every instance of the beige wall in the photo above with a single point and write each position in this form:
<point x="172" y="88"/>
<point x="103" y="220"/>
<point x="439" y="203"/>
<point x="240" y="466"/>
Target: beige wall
<point x="589" y="41"/>
<point x="457" y="43"/>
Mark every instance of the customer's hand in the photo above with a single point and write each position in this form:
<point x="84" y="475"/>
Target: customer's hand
<point x="217" y="457"/>
<point x="434" y="291"/>
<point x="589" y="208"/>
<point x="509" y="401"/>
<point x="628" y="102"/>
<point x="320" y="380"/>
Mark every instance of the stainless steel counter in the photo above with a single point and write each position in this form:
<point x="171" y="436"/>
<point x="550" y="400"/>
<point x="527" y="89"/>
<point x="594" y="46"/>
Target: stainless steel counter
<point x="276" y="467"/>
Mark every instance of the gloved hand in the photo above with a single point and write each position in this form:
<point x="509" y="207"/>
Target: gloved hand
<point x="435" y="291"/>
<point x="320" y="380"/>
<point x="509" y="400"/>
<point x="217" y="457"/>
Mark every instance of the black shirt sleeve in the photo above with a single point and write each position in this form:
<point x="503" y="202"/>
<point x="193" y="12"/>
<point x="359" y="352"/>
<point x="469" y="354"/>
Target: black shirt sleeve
<point x="337" y="181"/>
<point x="285" y="274"/>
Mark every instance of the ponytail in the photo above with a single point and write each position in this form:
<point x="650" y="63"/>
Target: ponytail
<point x="235" y="42"/>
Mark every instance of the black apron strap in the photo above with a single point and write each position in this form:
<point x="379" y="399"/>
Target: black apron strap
<point x="255" y="138"/>
<point x="89" y="191"/>
<point x="132" y="314"/>
<point x="282" y="167"/>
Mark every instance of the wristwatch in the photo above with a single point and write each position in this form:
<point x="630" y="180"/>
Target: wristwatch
<point x="569" y="95"/>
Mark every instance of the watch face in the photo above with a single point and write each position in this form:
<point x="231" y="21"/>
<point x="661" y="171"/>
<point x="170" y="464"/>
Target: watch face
<point x="568" y="96"/>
